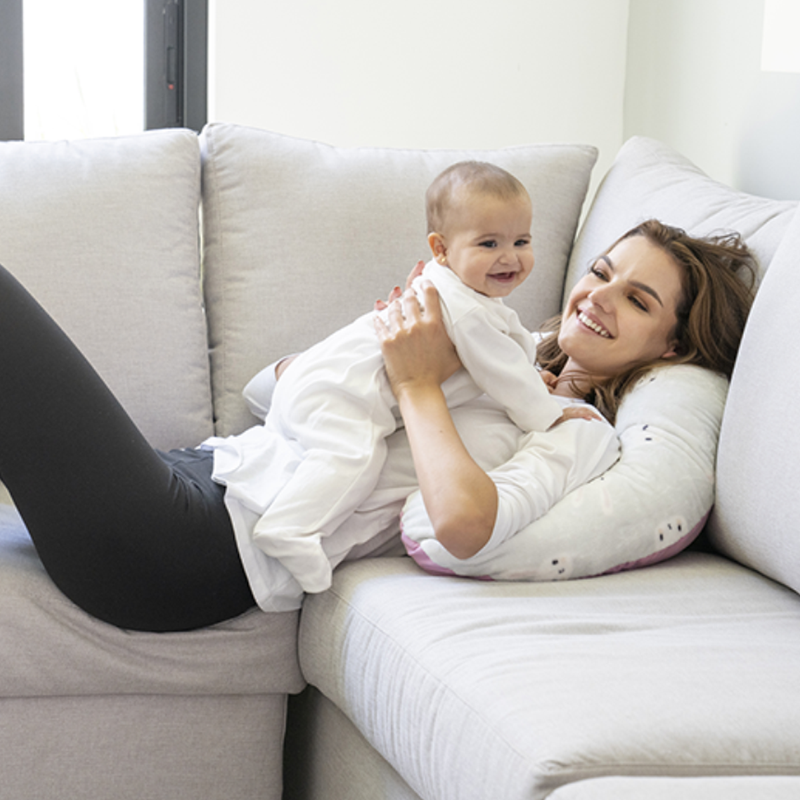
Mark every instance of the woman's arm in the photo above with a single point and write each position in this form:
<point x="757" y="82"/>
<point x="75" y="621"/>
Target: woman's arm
<point x="460" y="498"/>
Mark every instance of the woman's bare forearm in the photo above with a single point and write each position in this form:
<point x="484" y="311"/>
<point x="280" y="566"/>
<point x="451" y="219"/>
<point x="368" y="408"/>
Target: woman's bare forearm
<point x="460" y="498"/>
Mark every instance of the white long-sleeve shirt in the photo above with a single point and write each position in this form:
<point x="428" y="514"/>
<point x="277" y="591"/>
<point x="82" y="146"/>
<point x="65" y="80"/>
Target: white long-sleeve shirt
<point x="529" y="471"/>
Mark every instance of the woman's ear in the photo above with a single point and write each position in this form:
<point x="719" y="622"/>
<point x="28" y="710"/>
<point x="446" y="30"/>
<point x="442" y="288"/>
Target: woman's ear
<point x="672" y="352"/>
<point x="438" y="247"/>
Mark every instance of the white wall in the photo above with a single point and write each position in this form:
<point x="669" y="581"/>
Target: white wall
<point x="423" y="73"/>
<point x="694" y="81"/>
<point x="489" y="73"/>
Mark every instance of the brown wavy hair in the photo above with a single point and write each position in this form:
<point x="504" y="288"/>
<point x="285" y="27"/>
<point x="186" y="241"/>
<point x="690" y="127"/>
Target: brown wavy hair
<point x="718" y="278"/>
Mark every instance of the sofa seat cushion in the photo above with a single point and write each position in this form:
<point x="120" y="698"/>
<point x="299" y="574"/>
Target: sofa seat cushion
<point x="53" y="648"/>
<point x="744" y="788"/>
<point x="476" y="689"/>
<point x="300" y="238"/>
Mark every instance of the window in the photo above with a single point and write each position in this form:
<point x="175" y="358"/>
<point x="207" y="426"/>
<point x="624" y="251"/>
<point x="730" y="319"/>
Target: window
<point x="80" y="68"/>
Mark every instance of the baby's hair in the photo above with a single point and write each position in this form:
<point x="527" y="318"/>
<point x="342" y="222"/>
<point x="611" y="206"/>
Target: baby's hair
<point x="473" y="176"/>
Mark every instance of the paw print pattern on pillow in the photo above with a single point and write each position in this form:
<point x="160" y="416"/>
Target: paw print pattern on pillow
<point x="647" y="434"/>
<point x="557" y="568"/>
<point x="667" y="533"/>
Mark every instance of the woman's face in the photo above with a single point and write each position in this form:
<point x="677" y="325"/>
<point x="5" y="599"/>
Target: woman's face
<point x="623" y="312"/>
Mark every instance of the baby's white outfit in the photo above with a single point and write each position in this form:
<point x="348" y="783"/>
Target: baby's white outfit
<point x="299" y="478"/>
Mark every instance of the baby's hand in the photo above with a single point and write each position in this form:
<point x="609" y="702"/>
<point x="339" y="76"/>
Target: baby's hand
<point x="577" y="412"/>
<point x="550" y="380"/>
<point x="397" y="292"/>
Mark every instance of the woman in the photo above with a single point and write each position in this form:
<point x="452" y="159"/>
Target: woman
<point x="143" y="540"/>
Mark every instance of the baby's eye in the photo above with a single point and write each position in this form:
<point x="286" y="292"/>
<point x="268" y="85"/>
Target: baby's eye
<point x="489" y="243"/>
<point x="522" y="242"/>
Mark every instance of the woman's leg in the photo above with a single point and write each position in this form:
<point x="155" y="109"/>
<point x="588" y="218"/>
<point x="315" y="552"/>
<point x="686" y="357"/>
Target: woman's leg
<point x="130" y="538"/>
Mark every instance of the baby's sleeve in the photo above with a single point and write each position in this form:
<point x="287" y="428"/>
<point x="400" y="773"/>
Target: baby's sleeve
<point x="259" y="390"/>
<point x="503" y="368"/>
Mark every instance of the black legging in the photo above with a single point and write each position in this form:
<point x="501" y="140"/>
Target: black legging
<point x="135" y="537"/>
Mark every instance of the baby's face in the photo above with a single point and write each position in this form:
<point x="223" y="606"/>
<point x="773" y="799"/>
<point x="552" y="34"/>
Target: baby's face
<point x="488" y="243"/>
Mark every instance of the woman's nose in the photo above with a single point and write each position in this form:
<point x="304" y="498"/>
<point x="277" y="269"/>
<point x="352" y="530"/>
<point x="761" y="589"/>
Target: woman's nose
<point x="602" y="297"/>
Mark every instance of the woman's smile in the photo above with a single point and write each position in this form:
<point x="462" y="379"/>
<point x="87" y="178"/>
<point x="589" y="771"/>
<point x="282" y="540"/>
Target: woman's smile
<point x="593" y="324"/>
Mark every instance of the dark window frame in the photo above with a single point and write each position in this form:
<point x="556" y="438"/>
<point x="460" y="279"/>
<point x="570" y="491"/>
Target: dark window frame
<point x="176" y="64"/>
<point x="12" y="119"/>
<point x="176" y="37"/>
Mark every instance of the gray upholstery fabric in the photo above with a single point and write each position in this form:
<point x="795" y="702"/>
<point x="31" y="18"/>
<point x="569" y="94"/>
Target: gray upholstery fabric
<point x="326" y="756"/>
<point x="142" y="747"/>
<point x="50" y="647"/>
<point x="104" y="233"/>
<point x="472" y="689"/>
<point x="775" y="787"/>
<point x="755" y="520"/>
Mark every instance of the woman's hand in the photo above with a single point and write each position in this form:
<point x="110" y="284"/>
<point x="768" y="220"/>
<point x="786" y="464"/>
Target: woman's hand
<point x="415" y="345"/>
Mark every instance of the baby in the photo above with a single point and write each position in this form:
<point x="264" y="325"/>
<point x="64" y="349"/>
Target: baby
<point x="321" y="448"/>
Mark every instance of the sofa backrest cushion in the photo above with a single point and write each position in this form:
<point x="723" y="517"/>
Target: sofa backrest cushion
<point x="758" y="466"/>
<point x="650" y="180"/>
<point x="301" y="237"/>
<point x="104" y="233"/>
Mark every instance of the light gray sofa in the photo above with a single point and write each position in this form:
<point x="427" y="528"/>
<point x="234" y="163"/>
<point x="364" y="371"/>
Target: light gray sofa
<point x="105" y="233"/>
<point x="674" y="680"/>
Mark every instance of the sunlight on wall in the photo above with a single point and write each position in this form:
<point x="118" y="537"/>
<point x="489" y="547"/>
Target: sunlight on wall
<point x="779" y="49"/>
<point x="84" y="68"/>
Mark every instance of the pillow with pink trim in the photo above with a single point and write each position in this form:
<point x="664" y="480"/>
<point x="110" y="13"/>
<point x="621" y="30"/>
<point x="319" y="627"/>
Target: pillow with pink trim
<point x="648" y="507"/>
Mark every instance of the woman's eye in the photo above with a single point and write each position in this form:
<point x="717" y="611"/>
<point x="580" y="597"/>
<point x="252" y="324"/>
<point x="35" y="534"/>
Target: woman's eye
<point x="638" y="303"/>
<point x="598" y="273"/>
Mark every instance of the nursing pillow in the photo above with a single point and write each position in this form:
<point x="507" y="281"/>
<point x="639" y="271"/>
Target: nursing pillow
<point x="649" y="506"/>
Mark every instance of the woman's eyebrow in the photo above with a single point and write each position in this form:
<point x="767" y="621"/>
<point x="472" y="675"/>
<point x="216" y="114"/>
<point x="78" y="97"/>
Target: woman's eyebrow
<point x="641" y="286"/>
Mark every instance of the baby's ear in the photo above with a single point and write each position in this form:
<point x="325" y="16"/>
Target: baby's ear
<point x="437" y="245"/>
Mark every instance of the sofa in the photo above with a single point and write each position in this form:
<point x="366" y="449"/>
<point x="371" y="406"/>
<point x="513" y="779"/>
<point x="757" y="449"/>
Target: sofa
<point x="660" y="662"/>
